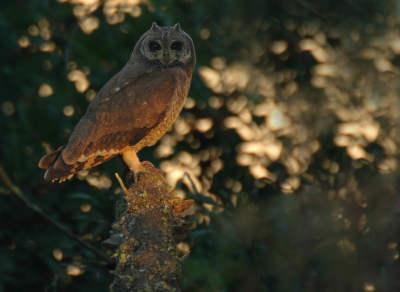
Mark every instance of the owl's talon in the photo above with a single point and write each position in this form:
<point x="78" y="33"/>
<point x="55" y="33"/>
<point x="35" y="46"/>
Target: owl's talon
<point x="136" y="177"/>
<point x="133" y="177"/>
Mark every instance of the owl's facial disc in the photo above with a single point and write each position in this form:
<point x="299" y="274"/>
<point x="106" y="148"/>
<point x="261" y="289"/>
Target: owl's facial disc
<point x="179" y="48"/>
<point x="169" y="50"/>
<point x="151" y="47"/>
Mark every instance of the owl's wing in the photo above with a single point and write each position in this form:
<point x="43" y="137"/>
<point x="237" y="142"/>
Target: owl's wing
<point x="125" y="110"/>
<point x="122" y="116"/>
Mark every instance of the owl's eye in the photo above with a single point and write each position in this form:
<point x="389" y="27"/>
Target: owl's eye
<point x="177" y="46"/>
<point x="154" y="46"/>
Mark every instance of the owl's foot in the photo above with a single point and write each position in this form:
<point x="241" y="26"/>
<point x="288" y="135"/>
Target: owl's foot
<point x="136" y="176"/>
<point x="133" y="177"/>
<point x="132" y="161"/>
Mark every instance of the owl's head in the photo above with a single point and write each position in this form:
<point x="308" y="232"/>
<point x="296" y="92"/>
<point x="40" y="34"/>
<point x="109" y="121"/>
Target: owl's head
<point x="167" y="46"/>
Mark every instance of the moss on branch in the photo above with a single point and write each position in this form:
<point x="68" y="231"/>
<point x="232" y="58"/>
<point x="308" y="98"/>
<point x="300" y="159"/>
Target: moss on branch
<point x="145" y="234"/>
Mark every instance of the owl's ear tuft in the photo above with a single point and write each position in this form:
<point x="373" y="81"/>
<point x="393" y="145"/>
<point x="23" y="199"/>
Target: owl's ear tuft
<point x="177" y="27"/>
<point x="154" y="27"/>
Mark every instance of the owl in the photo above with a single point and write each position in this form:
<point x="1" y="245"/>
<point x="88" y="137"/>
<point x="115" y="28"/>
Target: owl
<point x="133" y="109"/>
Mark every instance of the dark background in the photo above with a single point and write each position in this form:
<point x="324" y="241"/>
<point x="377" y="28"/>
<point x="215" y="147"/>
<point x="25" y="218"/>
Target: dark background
<point x="290" y="137"/>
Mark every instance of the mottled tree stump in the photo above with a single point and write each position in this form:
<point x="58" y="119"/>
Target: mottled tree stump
<point x="145" y="235"/>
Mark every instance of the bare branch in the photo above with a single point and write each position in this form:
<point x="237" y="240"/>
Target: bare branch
<point x="5" y="192"/>
<point x="121" y="183"/>
<point x="16" y="192"/>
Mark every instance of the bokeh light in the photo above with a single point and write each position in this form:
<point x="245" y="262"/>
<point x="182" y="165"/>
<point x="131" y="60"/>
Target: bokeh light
<point x="288" y="142"/>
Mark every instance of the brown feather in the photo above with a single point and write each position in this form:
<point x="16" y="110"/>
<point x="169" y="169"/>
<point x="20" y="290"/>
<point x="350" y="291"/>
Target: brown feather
<point x="65" y="170"/>
<point x="127" y="111"/>
<point x="47" y="160"/>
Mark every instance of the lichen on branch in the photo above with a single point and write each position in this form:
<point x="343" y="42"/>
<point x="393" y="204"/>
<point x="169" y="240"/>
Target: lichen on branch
<point x="145" y="234"/>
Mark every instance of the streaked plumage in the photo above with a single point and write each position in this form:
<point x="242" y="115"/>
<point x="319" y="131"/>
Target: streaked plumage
<point x="134" y="109"/>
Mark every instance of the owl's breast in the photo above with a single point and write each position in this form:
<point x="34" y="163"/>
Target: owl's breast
<point x="174" y="107"/>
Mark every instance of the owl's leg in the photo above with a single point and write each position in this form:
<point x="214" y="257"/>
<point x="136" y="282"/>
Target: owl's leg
<point x="132" y="161"/>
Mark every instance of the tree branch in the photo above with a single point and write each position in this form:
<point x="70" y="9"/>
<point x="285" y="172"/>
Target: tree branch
<point x="16" y="192"/>
<point x="145" y="235"/>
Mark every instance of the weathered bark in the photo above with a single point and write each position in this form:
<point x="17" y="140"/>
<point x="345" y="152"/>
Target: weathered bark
<point x="145" y="235"/>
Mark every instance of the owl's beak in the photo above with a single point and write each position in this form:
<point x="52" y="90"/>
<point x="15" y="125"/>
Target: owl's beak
<point x="166" y="57"/>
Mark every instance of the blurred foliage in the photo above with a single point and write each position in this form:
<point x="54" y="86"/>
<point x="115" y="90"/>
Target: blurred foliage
<point x="289" y="141"/>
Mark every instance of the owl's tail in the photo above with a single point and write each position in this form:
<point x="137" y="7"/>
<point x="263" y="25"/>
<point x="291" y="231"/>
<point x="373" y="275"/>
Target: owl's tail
<point x="48" y="159"/>
<point x="57" y="169"/>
